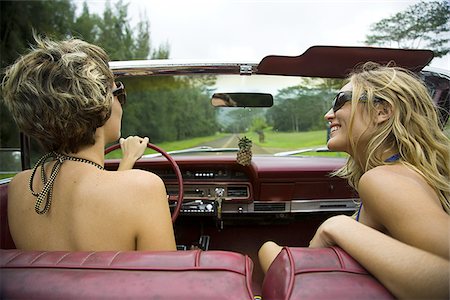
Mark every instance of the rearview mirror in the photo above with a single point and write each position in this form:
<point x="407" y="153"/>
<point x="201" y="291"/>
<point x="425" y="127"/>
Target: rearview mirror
<point x="242" y="100"/>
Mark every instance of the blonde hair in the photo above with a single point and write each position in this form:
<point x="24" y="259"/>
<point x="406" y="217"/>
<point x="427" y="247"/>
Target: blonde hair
<point x="60" y="93"/>
<point x="413" y="130"/>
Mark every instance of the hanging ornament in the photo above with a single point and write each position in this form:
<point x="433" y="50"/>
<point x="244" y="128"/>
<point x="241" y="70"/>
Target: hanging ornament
<point x="244" y="155"/>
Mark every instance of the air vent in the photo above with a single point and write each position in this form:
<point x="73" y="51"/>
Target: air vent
<point x="269" y="207"/>
<point x="237" y="191"/>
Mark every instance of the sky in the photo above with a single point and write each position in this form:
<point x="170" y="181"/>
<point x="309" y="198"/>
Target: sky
<point x="248" y="30"/>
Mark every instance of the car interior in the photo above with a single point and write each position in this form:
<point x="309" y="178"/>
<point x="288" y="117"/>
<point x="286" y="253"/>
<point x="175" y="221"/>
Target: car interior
<point x="229" y="196"/>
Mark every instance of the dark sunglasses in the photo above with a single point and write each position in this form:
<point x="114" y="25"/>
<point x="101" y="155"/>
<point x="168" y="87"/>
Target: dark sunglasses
<point x="120" y="93"/>
<point x="342" y="97"/>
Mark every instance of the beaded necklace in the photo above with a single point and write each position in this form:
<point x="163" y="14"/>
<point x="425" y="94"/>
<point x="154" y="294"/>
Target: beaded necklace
<point x="47" y="190"/>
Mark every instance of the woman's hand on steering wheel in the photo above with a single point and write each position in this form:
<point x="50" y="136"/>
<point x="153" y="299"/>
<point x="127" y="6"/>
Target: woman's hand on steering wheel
<point x="133" y="148"/>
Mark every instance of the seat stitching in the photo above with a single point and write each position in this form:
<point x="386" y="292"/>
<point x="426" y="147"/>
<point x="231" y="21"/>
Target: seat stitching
<point x="197" y="258"/>
<point x="292" y="268"/>
<point x="87" y="257"/>
<point x="340" y="258"/>
<point x="62" y="257"/>
<point x="37" y="257"/>
<point x="14" y="257"/>
<point x="114" y="257"/>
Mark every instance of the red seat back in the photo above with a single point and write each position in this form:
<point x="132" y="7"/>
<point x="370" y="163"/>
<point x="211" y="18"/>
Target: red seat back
<point x="6" y="241"/>
<point x="305" y="273"/>
<point x="125" y="275"/>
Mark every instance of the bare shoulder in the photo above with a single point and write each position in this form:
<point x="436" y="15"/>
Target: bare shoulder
<point x="19" y="181"/>
<point x="139" y="177"/>
<point x="136" y="179"/>
<point x="389" y="178"/>
<point x="143" y="195"/>
<point x="19" y="177"/>
<point x="392" y="191"/>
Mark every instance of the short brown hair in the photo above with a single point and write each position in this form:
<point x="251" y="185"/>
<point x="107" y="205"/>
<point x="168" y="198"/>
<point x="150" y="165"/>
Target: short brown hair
<point x="60" y="93"/>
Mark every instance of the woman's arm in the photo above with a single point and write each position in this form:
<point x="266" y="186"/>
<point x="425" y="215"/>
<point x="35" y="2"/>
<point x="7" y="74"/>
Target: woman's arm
<point x="148" y="211"/>
<point x="133" y="148"/>
<point x="408" y="272"/>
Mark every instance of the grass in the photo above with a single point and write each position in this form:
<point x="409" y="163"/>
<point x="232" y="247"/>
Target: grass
<point x="277" y="141"/>
<point x="291" y="140"/>
<point x="274" y="142"/>
<point x="286" y="141"/>
<point x="174" y="145"/>
<point x="4" y="176"/>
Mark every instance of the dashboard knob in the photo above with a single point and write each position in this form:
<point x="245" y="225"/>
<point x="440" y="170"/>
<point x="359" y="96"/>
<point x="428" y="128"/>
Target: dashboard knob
<point x="219" y="192"/>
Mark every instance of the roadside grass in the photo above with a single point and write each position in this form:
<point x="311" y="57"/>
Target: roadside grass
<point x="4" y="176"/>
<point x="286" y="141"/>
<point x="290" y="140"/>
<point x="174" y="145"/>
<point x="274" y="142"/>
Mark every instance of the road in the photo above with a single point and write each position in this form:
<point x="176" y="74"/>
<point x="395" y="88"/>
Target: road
<point x="231" y="141"/>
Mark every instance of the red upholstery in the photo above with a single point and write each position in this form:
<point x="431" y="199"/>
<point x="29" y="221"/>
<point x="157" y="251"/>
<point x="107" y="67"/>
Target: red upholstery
<point x="305" y="273"/>
<point x="127" y="275"/>
<point x="6" y="241"/>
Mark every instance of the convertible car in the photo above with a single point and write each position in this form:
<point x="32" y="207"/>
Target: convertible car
<point x="241" y="148"/>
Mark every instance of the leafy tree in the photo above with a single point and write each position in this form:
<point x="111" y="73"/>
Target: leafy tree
<point x="425" y="24"/>
<point x="17" y="18"/>
<point x="301" y="108"/>
<point x="86" y="25"/>
<point x="167" y="109"/>
<point x="240" y="120"/>
<point x="57" y="19"/>
<point x="17" y="21"/>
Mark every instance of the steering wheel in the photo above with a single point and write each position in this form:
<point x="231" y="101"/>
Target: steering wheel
<point x="175" y="167"/>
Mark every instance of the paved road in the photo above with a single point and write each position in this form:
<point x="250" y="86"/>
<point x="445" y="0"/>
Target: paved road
<point x="231" y="141"/>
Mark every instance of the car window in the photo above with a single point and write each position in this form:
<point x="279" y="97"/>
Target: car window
<point x="176" y="113"/>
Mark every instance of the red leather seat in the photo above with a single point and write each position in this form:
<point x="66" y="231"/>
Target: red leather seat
<point x="132" y="275"/>
<point x="6" y="241"/>
<point x="305" y="273"/>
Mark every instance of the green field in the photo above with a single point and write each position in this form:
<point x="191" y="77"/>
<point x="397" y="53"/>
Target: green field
<point x="274" y="142"/>
<point x="291" y="140"/>
<point x="175" y="145"/>
<point x="3" y="176"/>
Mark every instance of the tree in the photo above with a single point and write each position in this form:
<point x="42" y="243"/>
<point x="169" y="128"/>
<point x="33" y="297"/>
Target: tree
<point x="167" y="109"/>
<point x="54" y="18"/>
<point x="302" y="107"/>
<point x="423" y="25"/>
<point x="57" y="19"/>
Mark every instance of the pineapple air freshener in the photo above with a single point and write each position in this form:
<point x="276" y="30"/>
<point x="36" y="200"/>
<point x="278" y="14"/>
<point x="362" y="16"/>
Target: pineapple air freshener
<point x="244" y="155"/>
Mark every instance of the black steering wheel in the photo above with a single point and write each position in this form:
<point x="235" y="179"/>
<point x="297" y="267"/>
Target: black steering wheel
<point x="175" y="168"/>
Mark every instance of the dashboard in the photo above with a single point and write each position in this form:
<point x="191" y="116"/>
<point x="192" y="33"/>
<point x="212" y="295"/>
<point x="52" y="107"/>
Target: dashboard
<point x="269" y="185"/>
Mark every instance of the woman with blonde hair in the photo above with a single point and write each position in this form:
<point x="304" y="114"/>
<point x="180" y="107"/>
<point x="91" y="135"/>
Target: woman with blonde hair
<point x="385" y="119"/>
<point x="63" y="95"/>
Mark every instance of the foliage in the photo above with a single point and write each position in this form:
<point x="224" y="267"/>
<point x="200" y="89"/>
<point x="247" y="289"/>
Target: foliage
<point x="57" y="19"/>
<point x="52" y="17"/>
<point x="237" y="120"/>
<point x="301" y="108"/>
<point x="296" y="108"/>
<point x="424" y="25"/>
<point x="167" y="109"/>
<point x="259" y="124"/>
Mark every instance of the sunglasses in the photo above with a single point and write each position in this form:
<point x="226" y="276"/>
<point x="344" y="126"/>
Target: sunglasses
<point x="342" y="97"/>
<point x="120" y="93"/>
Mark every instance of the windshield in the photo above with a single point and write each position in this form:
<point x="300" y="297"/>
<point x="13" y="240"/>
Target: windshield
<point x="178" y="115"/>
